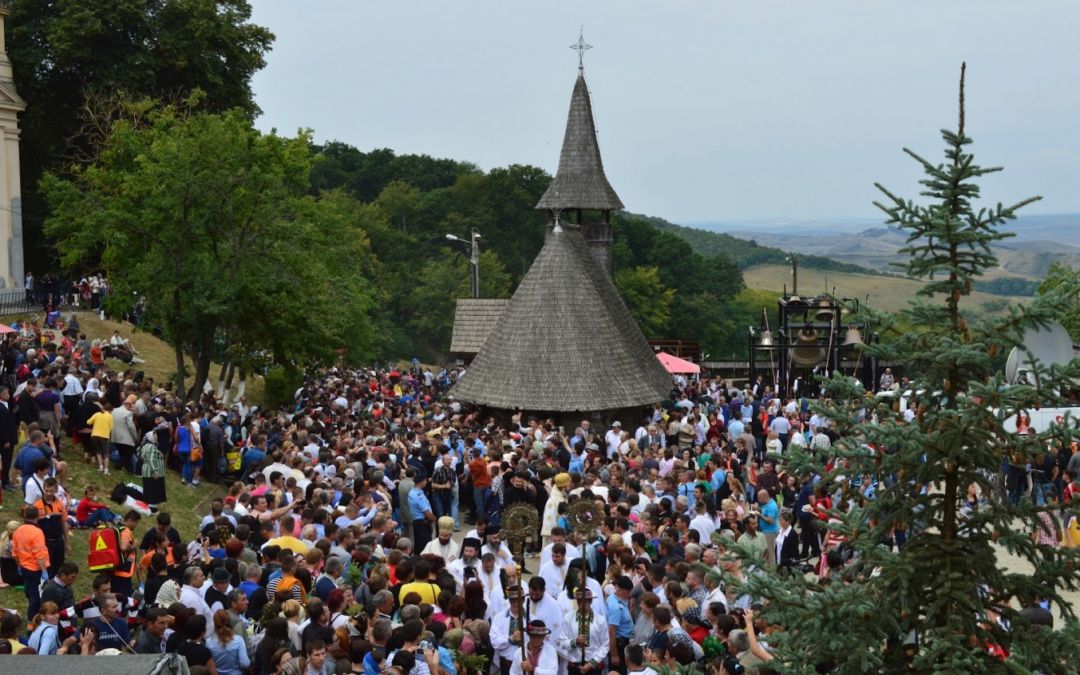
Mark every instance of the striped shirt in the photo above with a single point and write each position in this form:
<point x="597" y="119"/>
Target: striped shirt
<point x="153" y="462"/>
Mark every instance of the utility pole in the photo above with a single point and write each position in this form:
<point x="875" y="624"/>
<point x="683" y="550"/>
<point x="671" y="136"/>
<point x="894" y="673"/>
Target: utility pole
<point x="474" y="260"/>
<point x="474" y="257"/>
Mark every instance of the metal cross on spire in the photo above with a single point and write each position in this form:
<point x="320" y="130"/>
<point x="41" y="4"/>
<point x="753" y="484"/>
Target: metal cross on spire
<point x="581" y="47"/>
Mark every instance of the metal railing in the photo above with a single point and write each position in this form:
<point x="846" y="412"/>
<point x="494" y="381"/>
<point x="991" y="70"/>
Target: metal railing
<point x="14" y="302"/>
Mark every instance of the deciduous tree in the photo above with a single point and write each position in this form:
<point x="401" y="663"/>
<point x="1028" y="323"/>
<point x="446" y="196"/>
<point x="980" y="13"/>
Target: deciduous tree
<point x="213" y="223"/>
<point x="67" y="52"/>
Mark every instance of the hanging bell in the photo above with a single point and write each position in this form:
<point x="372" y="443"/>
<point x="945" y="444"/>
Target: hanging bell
<point x="853" y="337"/>
<point x="807" y="352"/>
<point x="822" y="312"/>
<point x="766" y="338"/>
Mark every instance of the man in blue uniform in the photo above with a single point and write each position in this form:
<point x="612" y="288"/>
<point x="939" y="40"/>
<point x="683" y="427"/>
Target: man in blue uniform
<point x="620" y="622"/>
<point x="420" y="508"/>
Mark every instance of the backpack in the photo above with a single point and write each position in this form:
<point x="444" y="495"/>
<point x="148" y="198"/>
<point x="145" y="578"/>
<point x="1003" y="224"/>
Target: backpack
<point x="104" y="549"/>
<point x="284" y="588"/>
<point x="233" y="460"/>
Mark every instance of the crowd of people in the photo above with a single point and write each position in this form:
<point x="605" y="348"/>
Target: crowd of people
<point x="360" y="528"/>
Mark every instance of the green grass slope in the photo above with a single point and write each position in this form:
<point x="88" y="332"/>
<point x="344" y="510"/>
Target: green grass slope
<point x="186" y="505"/>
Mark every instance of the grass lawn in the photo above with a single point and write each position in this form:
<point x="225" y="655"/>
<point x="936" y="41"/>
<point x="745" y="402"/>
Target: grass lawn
<point x="186" y="505"/>
<point x="160" y="360"/>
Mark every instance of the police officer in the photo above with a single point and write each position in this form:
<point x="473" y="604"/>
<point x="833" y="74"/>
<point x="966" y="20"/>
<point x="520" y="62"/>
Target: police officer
<point x="420" y="508"/>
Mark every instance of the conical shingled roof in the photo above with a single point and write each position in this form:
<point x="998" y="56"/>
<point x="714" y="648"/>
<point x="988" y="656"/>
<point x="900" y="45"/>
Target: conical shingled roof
<point x="566" y="342"/>
<point x="580" y="182"/>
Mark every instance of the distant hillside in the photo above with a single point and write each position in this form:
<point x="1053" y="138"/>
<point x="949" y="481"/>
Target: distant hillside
<point x="881" y="292"/>
<point x="1038" y="242"/>
<point x="747" y="252"/>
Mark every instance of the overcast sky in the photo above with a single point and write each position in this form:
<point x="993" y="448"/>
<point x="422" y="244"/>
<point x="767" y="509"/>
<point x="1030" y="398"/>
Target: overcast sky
<point x="706" y="111"/>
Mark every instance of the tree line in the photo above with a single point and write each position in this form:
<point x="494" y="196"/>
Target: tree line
<point x="143" y="162"/>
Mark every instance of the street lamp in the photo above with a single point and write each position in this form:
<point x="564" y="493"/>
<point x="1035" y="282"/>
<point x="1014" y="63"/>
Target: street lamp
<point x="474" y="257"/>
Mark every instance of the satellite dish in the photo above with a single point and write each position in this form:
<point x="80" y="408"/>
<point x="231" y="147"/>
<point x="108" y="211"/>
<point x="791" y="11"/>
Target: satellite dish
<point x="1012" y="365"/>
<point x="1049" y="346"/>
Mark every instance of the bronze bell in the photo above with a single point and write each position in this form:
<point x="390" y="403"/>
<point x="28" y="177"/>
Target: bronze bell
<point x="807" y="352"/>
<point x="822" y="312"/>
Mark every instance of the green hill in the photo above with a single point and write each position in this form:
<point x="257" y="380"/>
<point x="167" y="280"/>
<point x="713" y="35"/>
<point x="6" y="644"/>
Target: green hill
<point x="746" y="252"/>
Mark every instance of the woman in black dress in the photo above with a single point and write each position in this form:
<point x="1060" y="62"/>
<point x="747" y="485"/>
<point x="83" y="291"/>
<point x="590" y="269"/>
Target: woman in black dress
<point x="153" y="469"/>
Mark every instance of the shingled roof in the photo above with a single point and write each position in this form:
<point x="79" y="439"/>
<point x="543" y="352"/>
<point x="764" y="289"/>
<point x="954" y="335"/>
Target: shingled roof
<point x="580" y="182"/>
<point x="566" y="342"/>
<point x="474" y="320"/>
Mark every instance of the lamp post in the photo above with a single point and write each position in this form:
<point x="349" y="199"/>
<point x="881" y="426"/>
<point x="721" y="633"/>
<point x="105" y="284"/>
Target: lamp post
<point x="474" y="257"/>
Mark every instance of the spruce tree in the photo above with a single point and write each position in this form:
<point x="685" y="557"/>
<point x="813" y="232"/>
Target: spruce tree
<point x="944" y="603"/>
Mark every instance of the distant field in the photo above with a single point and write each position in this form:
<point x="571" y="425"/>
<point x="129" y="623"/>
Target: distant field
<point x="886" y="293"/>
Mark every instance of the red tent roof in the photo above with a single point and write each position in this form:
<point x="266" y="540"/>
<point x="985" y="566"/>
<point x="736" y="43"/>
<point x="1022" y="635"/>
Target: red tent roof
<point x="677" y="366"/>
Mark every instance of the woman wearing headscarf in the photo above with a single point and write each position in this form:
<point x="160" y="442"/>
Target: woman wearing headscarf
<point x="92" y="387"/>
<point x="153" y="469"/>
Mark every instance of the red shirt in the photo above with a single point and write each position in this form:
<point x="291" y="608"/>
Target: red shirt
<point x="85" y="508"/>
<point x="481" y="477"/>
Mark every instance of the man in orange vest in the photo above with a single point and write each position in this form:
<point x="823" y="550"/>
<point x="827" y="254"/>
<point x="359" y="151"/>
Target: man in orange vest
<point x="122" y="574"/>
<point x="28" y="549"/>
<point x="52" y="519"/>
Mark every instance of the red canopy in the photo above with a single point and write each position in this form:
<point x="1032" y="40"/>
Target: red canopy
<point x="677" y="366"/>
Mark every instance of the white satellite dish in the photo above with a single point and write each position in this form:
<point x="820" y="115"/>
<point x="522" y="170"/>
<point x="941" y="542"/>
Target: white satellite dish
<point x="1012" y="365"/>
<point x="1049" y="346"/>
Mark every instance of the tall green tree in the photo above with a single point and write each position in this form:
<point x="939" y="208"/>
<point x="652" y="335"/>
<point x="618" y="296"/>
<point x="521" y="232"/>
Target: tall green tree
<point x="440" y="282"/>
<point x="1062" y="279"/>
<point x="213" y="223"/>
<point x="67" y="52"/>
<point x="648" y="300"/>
<point x="947" y="602"/>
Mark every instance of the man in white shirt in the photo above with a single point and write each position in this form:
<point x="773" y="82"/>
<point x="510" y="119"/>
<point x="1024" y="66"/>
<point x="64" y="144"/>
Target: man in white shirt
<point x="583" y="651"/>
<point x="703" y="522"/>
<point x="72" y="392"/>
<point x="613" y="438"/>
<point x="541" y="606"/>
<point x="488" y="575"/>
<point x="782" y="427"/>
<point x="540" y="657"/>
<point x="558" y="536"/>
<point x="504" y="627"/>
<point x="554" y="571"/>
<point x="191" y="596"/>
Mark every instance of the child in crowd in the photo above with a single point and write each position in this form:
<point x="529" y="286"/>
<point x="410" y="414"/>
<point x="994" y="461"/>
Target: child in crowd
<point x="89" y="512"/>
